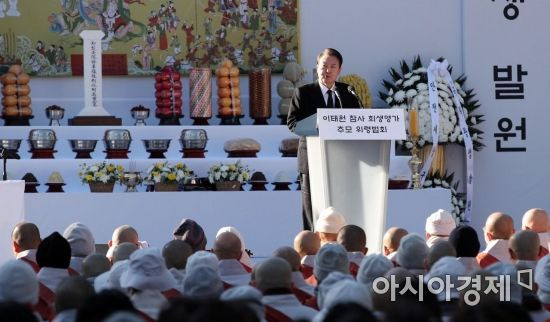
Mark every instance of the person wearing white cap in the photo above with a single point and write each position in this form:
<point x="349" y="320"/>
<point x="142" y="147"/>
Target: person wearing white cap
<point x="507" y="272"/>
<point x="273" y="278"/>
<point x="372" y="267"/>
<point x="439" y="226"/>
<point x="247" y="294"/>
<point x="300" y="288"/>
<point x="497" y="231"/>
<point x="391" y="241"/>
<point x="82" y="244"/>
<point x="227" y="248"/>
<point x="18" y="283"/>
<point x="145" y="279"/>
<point x="537" y="220"/>
<point x="245" y="258"/>
<point x="412" y="254"/>
<point x="448" y="297"/>
<point x="307" y="244"/>
<point x="328" y="224"/>
<point x="331" y="257"/>
<point x="25" y="240"/>
<point x="344" y="291"/>
<point x="542" y="278"/>
<point x="354" y="239"/>
<point x="202" y="258"/>
<point x="326" y="285"/>
<point x="111" y="278"/>
<point x="202" y="282"/>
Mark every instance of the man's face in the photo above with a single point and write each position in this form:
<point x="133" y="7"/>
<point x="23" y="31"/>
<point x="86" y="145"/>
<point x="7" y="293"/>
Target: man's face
<point x="328" y="69"/>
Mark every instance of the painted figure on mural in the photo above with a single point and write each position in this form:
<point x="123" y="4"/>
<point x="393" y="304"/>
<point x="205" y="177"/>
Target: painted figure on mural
<point x="188" y="29"/>
<point x="208" y="28"/>
<point x="50" y="54"/>
<point x="40" y="47"/>
<point x="243" y="12"/>
<point x="210" y="8"/>
<point x="254" y="22"/>
<point x="61" y="59"/>
<point x="175" y="44"/>
<point x="272" y="20"/>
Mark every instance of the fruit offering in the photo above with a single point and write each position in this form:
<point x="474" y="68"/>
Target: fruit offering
<point x="168" y="93"/>
<point x="229" y="94"/>
<point x="16" y="101"/>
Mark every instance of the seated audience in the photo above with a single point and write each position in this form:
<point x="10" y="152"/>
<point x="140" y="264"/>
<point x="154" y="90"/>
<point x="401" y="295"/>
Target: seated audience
<point x="146" y="279"/>
<point x="466" y="243"/>
<point x="273" y="278"/>
<point x="325" y="286"/>
<point x="18" y="284"/>
<point x="101" y="305"/>
<point x="354" y="240"/>
<point x="307" y="244"/>
<point x="248" y="295"/>
<point x="82" y="244"/>
<point x="331" y="257"/>
<point x="227" y="248"/>
<point x="25" y="240"/>
<point x="524" y="249"/>
<point x="372" y="267"/>
<point x="536" y="219"/>
<point x="498" y="229"/>
<point x="245" y="258"/>
<point x="122" y="234"/>
<point x="192" y="233"/>
<point x="328" y="224"/>
<point x="53" y="256"/>
<point x="123" y="251"/>
<point x="70" y="295"/>
<point x="439" y="249"/>
<point x="175" y="254"/>
<point x="439" y="226"/>
<point x="345" y="291"/>
<point x="202" y="282"/>
<point x="391" y="241"/>
<point x="542" y="273"/>
<point x="94" y="265"/>
<point x="447" y="267"/>
<point x="412" y="253"/>
<point x="300" y="288"/>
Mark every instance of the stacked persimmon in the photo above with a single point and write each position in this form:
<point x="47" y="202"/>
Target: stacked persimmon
<point x="168" y="93"/>
<point x="15" y="91"/>
<point x="229" y="94"/>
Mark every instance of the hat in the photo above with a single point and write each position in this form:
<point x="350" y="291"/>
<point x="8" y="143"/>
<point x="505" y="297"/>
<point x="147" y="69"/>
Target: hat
<point x="80" y="238"/>
<point x="54" y="251"/>
<point x="448" y="266"/>
<point x="440" y="223"/>
<point x="542" y="278"/>
<point x="245" y="259"/>
<point x="18" y="283"/>
<point x="503" y="269"/>
<point x="372" y="267"/>
<point x="147" y="271"/>
<point x="202" y="282"/>
<point x="465" y="241"/>
<point x="285" y="177"/>
<point x="191" y="232"/>
<point x="331" y="257"/>
<point x="412" y="252"/>
<point x="330" y="221"/>
<point x="326" y="285"/>
<point x="348" y="291"/>
<point x="202" y="258"/>
<point x="258" y="177"/>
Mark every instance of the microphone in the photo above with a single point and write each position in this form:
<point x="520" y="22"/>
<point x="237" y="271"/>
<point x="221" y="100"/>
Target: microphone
<point x="354" y="93"/>
<point x="338" y="96"/>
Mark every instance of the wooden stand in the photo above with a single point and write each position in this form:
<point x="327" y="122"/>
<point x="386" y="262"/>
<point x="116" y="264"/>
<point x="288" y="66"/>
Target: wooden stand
<point x="95" y="120"/>
<point x="260" y="121"/>
<point x="258" y="186"/>
<point x="193" y="153"/>
<point x="42" y="153"/>
<point x="55" y="187"/>
<point x="169" y="120"/>
<point x="17" y="120"/>
<point x="157" y="154"/>
<point x="30" y="187"/>
<point x="116" y="154"/>
<point x="242" y="154"/>
<point x="200" y="120"/>
<point x="83" y="154"/>
<point x="289" y="153"/>
<point x="281" y="186"/>
<point x="230" y="119"/>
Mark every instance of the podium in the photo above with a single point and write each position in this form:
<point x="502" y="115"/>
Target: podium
<point x="11" y="213"/>
<point x="349" y="165"/>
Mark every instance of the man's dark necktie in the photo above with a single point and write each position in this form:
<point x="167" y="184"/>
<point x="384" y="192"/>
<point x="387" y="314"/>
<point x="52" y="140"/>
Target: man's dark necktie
<point x="330" y="102"/>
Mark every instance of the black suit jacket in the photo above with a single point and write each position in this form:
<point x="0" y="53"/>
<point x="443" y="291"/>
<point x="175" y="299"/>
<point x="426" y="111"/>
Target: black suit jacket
<point x="305" y="102"/>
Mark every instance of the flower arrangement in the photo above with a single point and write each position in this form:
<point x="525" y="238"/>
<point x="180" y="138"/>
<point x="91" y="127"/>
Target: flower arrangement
<point x="361" y="87"/>
<point x="228" y="172"/>
<point x="412" y="83"/>
<point x="166" y="173"/>
<point x="458" y="204"/>
<point x="100" y="173"/>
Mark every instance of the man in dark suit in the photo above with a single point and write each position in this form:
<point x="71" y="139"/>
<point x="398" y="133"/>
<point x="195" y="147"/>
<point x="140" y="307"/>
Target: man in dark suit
<point x="326" y="92"/>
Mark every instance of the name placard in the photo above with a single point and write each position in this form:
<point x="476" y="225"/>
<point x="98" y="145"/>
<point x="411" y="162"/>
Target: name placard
<point x="361" y="124"/>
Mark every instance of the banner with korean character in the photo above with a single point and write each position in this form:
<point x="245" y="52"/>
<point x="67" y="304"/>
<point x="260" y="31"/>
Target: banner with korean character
<point x="506" y="49"/>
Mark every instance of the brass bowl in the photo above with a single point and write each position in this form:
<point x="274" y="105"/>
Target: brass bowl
<point x="55" y="114"/>
<point x="82" y="145"/>
<point x="42" y="134"/>
<point x="117" y="139"/>
<point x="10" y="144"/>
<point x="193" y="139"/>
<point x="156" y="144"/>
<point x="42" y="144"/>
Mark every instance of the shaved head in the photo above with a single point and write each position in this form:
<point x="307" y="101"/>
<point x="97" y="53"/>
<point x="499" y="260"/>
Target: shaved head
<point x="536" y="219"/>
<point x="124" y="234"/>
<point x="353" y="238"/>
<point x="228" y="246"/>
<point x="290" y="255"/>
<point x="123" y="251"/>
<point x="272" y="273"/>
<point x="94" y="265"/>
<point x="499" y="226"/>
<point x="175" y="253"/>
<point x="307" y="243"/>
<point x="524" y="245"/>
<point x="392" y="239"/>
<point x="25" y="236"/>
<point x="440" y="249"/>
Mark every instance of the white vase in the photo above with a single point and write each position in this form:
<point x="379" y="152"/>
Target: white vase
<point x="12" y="11"/>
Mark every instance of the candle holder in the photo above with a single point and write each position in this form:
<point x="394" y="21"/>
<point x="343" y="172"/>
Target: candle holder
<point x="415" y="164"/>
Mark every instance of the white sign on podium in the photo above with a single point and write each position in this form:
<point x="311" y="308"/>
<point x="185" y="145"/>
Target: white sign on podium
<point x="93" y="74"/>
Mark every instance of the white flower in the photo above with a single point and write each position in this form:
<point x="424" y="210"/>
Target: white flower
<point x="407" y="75"/>
<point x="390" y="92"/>
<point x="474" y="137"/>
<point x="399" y="82"/>
<point x="399" y="96"/>
<point x="473" y="120"/>
<point x="460" y="138"/>
<point x="389" y="100"/>
<point x="408" y="83"/>
<point x="445" y="184"/>
<point x="427" y="183"/>
<point x="422" y="87"/>
<point x="437" y="181"/>
<point x="415" y="78"/>
<point x="224" y="168"/>
<point x="420" y="70"/>
<point x="408" y="145"/>
<point x="411" y="93"/>
<point x="94" y="168"/>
